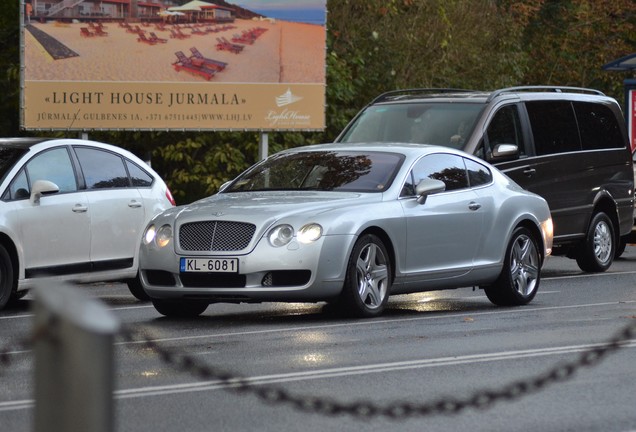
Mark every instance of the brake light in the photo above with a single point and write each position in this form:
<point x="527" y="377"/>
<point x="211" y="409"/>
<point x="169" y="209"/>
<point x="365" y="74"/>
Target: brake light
<point x="170" y="198"/>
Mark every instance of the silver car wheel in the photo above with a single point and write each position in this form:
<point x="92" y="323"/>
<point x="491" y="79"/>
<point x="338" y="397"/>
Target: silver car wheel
<point x="524" y="266"/>
<point x="372" y="276"/>
<point x="520" y="275"/>
<point x="368" y="279"/>
<point x="602" y="242"/>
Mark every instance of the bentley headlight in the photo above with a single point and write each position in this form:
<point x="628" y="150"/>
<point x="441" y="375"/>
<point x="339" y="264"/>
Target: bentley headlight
<point x="280" y="235"/>
<point x="309" y="233"/>
<point x="163" y="236"/>
<point x="149" y="235"/>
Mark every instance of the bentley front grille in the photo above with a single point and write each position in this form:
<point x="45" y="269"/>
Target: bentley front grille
<point x="215" y="236"/>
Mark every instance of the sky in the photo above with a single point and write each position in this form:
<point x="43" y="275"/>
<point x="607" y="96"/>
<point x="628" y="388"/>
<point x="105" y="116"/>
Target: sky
<point x="280" y="4"/>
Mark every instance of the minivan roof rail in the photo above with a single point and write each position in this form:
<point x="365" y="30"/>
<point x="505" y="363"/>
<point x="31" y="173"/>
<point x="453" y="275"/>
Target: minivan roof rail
<point x="418" y="91"/>
<point x="547" y="89"/>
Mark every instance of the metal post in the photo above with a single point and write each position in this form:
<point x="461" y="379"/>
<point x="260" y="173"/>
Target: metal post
<point x="74" y="370"/>
<point x="263" y="150"/>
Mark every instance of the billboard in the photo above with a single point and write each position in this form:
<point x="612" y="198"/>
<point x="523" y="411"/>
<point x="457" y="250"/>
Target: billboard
<point x="172" y="65"/>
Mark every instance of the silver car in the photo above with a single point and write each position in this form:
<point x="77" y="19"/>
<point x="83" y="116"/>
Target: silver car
<point x="75" y="210"/>
<point x="349" y="224"/>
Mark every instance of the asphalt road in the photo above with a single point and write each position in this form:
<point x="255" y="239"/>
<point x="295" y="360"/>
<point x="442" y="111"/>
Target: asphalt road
<point x="427" y="348"/>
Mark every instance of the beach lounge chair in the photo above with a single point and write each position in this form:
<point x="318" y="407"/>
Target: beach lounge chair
<point x="226" y="45"/>
<point x="196" y="68"/>
<point x="142" y="38"/>
<point x="153" y="37"/>
<point x="213" y="64"/>
<point x="175" y="33"/>
<point x="181" y="34"/>
<point x="85" y="32"/>
<point x="242" y="39"/>
<point x="136" y="29"/>
<point x="99" y="31"/>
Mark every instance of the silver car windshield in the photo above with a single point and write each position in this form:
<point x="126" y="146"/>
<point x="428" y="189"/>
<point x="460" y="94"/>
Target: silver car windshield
<point x="441" y="123"/>
<point x="322" y="171"/>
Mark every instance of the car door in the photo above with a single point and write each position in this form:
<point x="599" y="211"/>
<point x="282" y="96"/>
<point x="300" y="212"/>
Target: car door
<point x="443" y="233"/>
<point x="116" y="208"/>
<point x="55" y="232"/>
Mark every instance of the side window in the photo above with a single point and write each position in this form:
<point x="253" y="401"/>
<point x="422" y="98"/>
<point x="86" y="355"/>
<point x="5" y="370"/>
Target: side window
<point x="19" y="188"/>
<point x="598" y="126"/>
<point x="138" y="176"/>
<point x="505" y="128"/>
<point x="445" y="167"/>
<point x="102" y="169"/>
<point x="478" y="174"/>
<point x="553" y="127"/>
<point x="54" y="165"/>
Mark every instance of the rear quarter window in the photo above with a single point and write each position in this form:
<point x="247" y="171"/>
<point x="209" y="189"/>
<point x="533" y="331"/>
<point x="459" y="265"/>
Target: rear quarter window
<point x="599" y="126"/>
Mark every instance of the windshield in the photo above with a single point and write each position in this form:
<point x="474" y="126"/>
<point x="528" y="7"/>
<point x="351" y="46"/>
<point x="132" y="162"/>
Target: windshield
<point x="8" y="158"/>
<point x="442" y="123"/>
<point x="323" y="171"/>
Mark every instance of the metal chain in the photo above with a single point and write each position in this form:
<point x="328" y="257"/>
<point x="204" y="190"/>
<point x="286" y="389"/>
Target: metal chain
<point x="397" y="410"/>
<point x="362" y="409"/>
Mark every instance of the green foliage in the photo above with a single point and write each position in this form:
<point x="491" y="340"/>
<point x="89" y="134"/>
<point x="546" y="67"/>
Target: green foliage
<point x="379" y="45"/>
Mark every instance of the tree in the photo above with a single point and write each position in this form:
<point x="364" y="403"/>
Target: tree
<point x="379" y="45"/>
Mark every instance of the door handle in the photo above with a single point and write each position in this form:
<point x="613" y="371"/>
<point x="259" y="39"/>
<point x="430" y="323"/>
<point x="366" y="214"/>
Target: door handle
<point x="529" y="172"/>
<point x="80" y="208"/>
<point x="134" y="204"/>
<point x="474" y="206"/>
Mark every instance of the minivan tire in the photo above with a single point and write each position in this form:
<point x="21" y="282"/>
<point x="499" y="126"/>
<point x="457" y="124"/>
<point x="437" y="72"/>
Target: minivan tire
<point x="597" y="251"/>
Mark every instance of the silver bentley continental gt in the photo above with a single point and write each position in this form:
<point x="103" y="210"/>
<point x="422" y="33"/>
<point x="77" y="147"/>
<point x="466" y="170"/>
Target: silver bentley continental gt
<point x="350" y="225"/>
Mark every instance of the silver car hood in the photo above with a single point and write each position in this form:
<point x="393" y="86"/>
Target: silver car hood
<point x="265" y="208"/>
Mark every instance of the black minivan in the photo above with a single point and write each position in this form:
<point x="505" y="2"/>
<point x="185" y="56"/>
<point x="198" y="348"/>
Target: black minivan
<point x="567" y="144"/>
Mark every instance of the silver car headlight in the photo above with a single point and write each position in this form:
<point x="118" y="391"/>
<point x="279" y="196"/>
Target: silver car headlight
<point x="161" y="237"/>
<point x="149" y="235"/>
<point x="280" y="235"/>
<point x="164" y="236"/>
<point x="309" y="233"/>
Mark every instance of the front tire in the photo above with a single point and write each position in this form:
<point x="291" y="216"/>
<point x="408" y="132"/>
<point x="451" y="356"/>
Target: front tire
<point x="134" y="285"/>
<point x="519" y="280"/>
<point x="598" y="248"/>
<point x="179" y="308"/>
<point x="368" y="280"/>
<point x="7" y="281"/>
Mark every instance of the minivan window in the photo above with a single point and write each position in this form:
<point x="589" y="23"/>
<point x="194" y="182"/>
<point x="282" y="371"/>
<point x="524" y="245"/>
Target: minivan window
<point x="598" y="126"/>
<point x="447" y="124"/>
<point x="505" y="128"/>
<point x="553" y="127"/>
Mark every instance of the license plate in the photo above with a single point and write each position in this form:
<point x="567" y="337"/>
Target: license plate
<point x="207" y="265"/>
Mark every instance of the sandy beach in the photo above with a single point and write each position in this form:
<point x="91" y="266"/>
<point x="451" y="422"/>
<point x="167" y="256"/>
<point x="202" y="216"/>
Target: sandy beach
<point x="286" y="52"/>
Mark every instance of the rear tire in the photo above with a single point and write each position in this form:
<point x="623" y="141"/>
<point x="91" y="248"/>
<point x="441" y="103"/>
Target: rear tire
<point x="368" y="280"/>
<point x="179" y="308"/>
<point x="8" y="283"/>
<point x="597" y="250"/>
<point x="519" y="280"/>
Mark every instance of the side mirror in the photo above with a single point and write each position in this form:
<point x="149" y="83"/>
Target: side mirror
<point x="505" y="151"/>
<point x="42" y="187"/>
<point x="428" y="186"/>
